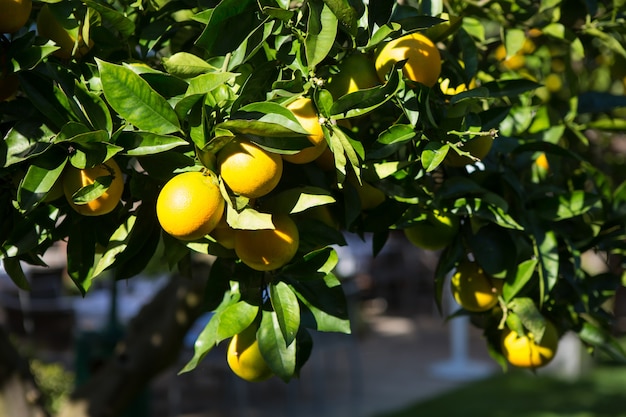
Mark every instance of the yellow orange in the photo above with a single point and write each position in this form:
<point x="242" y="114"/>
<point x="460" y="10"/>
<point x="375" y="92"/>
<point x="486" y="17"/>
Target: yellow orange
<point x="247" y="169"/>
<point x="473" y="289"/>
<point x="423" y="58"/>
<point x="356" y="72"/>
<point x="14" y="14"/>
<point x="190" y="205"/>
<point x="305" y="112"/>
<point x="268" y="249"/>
<point x="244" y="357"/>
<point x="434" y="232"/>
<point x="524" y="351"/>
<point x="74" y="179"/>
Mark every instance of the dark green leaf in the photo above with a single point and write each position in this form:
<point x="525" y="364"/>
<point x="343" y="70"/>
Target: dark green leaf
<point x="510" y="88"/>
<point x="433" y="155"/>
<point x="345" y="13"/>
<point x="325" y="301"/>
<point x="186" y="65"/>
<point x="523" y="274"/>
<point x="146" y="143"/>
<point x="41" y="176"/>
<point x="134" y="99"/>
<point x="285" y="304"/>
<point x="234" y="319"/>
<point x="280" y="357"/>
<point x="13" y="268"/>
<point x="322" y="29"/>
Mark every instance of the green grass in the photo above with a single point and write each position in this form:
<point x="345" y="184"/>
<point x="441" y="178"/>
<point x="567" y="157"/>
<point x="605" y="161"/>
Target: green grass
<point x="601" y="393"/>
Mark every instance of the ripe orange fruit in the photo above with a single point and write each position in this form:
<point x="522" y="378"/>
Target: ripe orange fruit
<point x="190" y="205"/>
<point x="525" y="352"/>
<point x="244" y="357"/>
<point x="305" y="112"/>
<point x="65" y="34"/>
<point x="355" y="72"/>
<point x="434" y="232"/>
<point x="424" y="60"/>
<point x="74" y="179"/>
<point x="268" y="249"/>
<point x="14" y="14"/>
<point x="249" y="170"/>
<point x="473" y="289"/>
<point x="478" y="147"/>
<point x="224" y="234"/>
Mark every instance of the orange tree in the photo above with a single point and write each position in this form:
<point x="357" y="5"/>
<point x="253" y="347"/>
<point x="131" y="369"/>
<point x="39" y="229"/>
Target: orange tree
<point x="161" y="87"/>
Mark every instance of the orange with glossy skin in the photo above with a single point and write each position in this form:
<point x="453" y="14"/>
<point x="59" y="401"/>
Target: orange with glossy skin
<point x="524" y="351"/>
<point x="244" y="357"/>
<point x="423" y="58"/>
<point x="434" y="232"/>
<point x="473" y="289"/>
<point x="14" y="14"/>
<point x="355" y="72"/>
<point x="305" y="112"/>
<point x="74" y="179"/>
<point x="268" y="249"/>
<point x="247" y="169"/>
<point x="190" y="205"/>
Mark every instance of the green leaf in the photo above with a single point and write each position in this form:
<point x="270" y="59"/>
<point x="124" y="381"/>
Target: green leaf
<point x="297" y="200"/>
<point x="494" y="250"/>
<point x="603" y="340"/>
<point x="134" y="99"/>
<point x="90" y="192"/>
<point x="25" y="140"/>
<point x="225" y="12"/>
<point x="529" y="315"/>
<point x="46" y="97"/>
<point x="114" y="18"/>
<point x="321" y="32"/>
<point x="41" y="176"/>
<point x="433" y="155"/>
<point x="234" y="319"/>
<point x="523" y="274"/>
<point x="146" y="143"/>
<point x="345" y="13"/>
<point x="248" y="219"/>
<point x="81" y="249"/>
<point x="364" y="101"/>
<point x="285" y="304"/>
<point x="207" y="339"/>
<point x="546" y="246"/>
<point x="117" y="244"/>
<point x="566" y="206"/>
<point x="510" y="88"/>
<point x="325" y="302"/>
<point x="186" y="65"/>
<point x="279" y="356"/>
<point x="205" y="83"/>
<point x="313" y="265"/>
<point x="94" y="109"/>
<point x="267" y="119"/>
<point x="13" y="268"/>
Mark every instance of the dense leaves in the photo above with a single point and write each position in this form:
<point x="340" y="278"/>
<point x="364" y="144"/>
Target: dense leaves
<point x="167" y="84"/>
